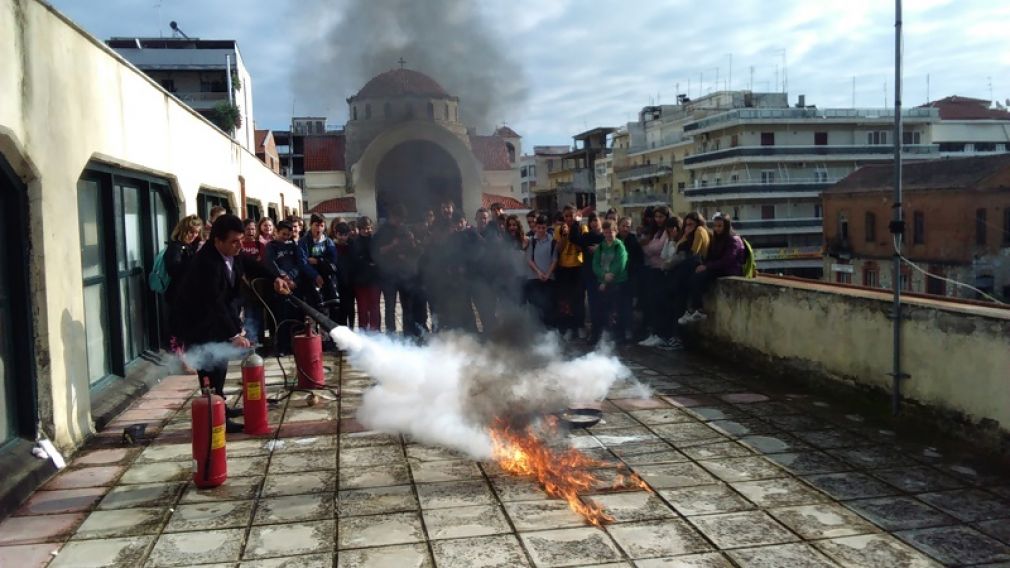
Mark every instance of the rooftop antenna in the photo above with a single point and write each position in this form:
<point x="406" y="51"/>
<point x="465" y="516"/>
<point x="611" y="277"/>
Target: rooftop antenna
<point x="991" y="98"/>
<point x="402" y="62"/>
<point x="785" y="73"/>
<point x="750" y="86"/>
<point x="927" y="88"/>
<point x="729" y="82"/>
<point x="157" y="7"/>
<point x="885" y="95"/>
<point x="176" y="32"/>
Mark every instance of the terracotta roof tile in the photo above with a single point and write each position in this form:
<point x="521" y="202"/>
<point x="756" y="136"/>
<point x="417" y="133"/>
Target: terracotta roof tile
<point x="261" y="136"/>
<point x="506" y="132"/>
<point x="400" y="82"/>
<point x="336" y="205"/>
<point x="491" y="152"/>
<point x="509" y="203"/>
<point x="945" y="173"/>
<point x="324" y="153"/>
<point x="966" y="108"/>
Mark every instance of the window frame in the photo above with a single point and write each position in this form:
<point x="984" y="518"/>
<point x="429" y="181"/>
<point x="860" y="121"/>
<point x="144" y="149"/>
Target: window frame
<point x="918" y="228"/>
<point x="153" y="334"/>
<point x="981" y="226"/>
<point x="23" y="388"/>
<point x="870" y="226"/>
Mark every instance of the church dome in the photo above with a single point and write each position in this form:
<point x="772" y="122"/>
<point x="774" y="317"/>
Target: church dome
<point x="401" y="82"/>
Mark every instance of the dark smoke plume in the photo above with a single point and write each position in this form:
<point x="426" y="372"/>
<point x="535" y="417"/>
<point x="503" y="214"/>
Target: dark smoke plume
<point x="450" y="40"/>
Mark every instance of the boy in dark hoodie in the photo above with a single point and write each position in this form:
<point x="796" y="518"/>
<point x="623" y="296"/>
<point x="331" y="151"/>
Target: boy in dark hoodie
<point x="345" y="274"/>
<point x="287" y="260"/>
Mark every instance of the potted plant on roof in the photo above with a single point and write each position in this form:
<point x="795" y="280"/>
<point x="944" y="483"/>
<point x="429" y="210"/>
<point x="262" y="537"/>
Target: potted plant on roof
<point x="226" y="116"/>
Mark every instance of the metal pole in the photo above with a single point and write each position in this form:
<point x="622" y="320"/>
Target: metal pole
<point x="897" y="224"/>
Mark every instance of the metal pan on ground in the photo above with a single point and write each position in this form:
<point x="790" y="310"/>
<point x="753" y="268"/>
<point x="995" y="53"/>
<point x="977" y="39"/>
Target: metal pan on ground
<point x="581" y="417"/>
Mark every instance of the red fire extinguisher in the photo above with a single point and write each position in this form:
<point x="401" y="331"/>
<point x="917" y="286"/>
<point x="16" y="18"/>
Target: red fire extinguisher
<point x="209" y="460"/>
<point x="254" y="396"/>
<point x="308" y="350"/>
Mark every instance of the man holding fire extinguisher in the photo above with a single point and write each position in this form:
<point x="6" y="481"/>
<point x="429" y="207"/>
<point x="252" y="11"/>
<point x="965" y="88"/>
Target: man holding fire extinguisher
<point x="209" y="302"/>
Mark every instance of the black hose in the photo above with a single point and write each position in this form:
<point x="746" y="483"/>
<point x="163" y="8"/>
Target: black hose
<point x="210" y="433"/>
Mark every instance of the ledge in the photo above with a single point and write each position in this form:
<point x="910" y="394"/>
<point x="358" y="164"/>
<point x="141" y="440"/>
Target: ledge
<point x="956" y="353"/>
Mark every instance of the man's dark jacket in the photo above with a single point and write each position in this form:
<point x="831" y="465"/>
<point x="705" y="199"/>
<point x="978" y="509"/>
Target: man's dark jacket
<point x="207" y="304"/>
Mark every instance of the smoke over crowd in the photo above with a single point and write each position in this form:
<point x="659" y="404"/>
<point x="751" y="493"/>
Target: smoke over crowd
<point x="447" y="39"/>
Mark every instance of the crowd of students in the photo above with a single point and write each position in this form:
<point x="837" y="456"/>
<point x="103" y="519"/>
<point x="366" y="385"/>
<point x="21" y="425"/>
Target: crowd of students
<point x="447" y="273"/>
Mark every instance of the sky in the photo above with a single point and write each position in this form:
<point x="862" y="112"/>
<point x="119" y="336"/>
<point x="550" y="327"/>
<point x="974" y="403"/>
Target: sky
<point x="577" y="64"/>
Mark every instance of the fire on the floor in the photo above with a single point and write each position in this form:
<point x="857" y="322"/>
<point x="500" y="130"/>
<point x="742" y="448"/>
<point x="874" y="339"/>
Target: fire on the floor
<point x="564" y="473"/>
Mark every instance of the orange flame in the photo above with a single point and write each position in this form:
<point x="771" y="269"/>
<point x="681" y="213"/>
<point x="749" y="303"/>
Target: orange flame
<point x="563" y="473"/>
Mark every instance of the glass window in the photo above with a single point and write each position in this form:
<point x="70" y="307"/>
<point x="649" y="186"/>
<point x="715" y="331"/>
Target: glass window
<point x="981" y="226"/>
<point x="89" y="204"/>
<point x="918" y="228"/>
<point x="871" y="228"/>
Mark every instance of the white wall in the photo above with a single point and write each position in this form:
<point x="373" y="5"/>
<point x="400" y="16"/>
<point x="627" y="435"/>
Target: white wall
<point x="66" y="100"/>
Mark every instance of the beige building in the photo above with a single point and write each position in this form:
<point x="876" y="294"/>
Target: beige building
<point x="97" y="162"/>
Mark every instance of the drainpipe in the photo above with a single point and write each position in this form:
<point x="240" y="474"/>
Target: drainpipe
<point x="897" y="219"/>
<point x="231" y="94"/>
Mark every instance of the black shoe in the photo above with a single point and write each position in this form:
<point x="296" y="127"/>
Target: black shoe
<point x="233" y="411"/>
<point x="233" y="427"/>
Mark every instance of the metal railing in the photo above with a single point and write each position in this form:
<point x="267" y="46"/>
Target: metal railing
<point x="805" y="222"/>
<point x="645" y="199"/>
<point x="643" y="171"/>
<point x="882" y="150"/>
<point x="841" y="114"/>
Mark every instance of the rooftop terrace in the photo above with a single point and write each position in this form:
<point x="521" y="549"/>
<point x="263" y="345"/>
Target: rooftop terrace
<point x="742" y="471"/>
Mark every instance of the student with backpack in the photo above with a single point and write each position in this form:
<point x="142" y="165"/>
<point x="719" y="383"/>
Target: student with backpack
<point x="172" y="264"/>
<point x="542" y="260"/>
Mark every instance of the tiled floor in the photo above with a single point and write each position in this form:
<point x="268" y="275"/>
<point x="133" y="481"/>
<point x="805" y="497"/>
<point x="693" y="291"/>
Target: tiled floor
<point x="743" y="475"/>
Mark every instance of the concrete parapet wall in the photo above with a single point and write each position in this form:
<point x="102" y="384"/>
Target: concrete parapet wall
<point x="957" y="355"/>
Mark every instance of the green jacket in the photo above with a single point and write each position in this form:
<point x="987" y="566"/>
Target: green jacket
<point x="612" y="258"/>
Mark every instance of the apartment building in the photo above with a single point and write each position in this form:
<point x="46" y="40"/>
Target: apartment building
<point x="766" y="167"/>
<point x="207" y="75"/>
<point x="575" y="181"/>
<point x="546" y="160"/>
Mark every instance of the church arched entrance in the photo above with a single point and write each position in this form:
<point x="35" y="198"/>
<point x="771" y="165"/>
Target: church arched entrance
<point x="420" y="175"/>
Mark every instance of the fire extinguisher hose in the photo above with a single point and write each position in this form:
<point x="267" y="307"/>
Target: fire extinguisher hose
<point x="210" y="435"/>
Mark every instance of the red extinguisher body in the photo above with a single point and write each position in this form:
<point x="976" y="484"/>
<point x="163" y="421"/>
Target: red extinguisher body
<point x="254" y="396"/>
<point x="308" y="350"/>
<point x="208" y="427"/>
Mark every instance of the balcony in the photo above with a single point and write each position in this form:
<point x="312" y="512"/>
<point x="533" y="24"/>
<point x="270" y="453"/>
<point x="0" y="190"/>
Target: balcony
<point x="644" y="171"/>
<point x="779" y="226"/>
<point x="879" y="151"/>
<point x="645" y="199"/>
<point x="794" y="253"/>
<point x="788" y="114"/>
<point x="756" y="189"/>
<point x="202" y="101"/>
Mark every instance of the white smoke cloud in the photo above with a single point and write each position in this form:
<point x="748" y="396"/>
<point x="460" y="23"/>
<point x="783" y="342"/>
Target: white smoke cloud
<point x="447" y="392"/>
<point x="211" y="355"/>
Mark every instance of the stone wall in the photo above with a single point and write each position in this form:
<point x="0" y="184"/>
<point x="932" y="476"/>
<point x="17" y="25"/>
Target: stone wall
<point x="957" y="355"/>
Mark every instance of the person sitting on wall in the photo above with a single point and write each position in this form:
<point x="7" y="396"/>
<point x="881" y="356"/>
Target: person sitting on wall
<point x="209" y="301"/>
<point x="726" y="255"/>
